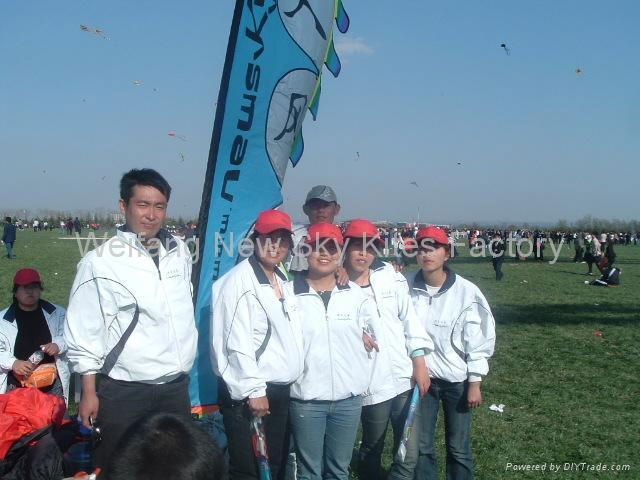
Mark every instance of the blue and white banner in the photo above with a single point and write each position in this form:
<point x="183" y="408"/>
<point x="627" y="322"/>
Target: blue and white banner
<point x="271" y="78"/>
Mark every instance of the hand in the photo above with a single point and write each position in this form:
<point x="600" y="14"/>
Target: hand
<point x="474" y="396"/>
<point x="342" y="277"/>
<point x="370" y="343"/>
<point x="23" y="367"/>
<point x="89" y="405"/>
<point x="421" y="375"/>
<point x="398" y="267"/>
<point x="50" y="349"/>
<point x="259" y="406"/>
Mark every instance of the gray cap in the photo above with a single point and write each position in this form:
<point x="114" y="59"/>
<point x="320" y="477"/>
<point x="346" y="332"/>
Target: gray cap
<point x="321" y="192"/>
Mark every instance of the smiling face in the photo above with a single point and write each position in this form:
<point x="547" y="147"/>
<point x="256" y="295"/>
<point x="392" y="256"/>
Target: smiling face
<point x="358" y="259"/>
<point x="432" y="257"/>
<point x="272" y="248"/>
<point x="28" y="296"/>
<point x="146" y="211"/>
<point x="324" y="258"/>
<point x="320" y="211"/>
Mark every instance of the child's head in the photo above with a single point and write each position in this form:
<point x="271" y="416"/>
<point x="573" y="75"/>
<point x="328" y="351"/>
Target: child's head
<point x="166" y="446"/>
<point x="433" y="249"/>
<point x="325" y="244"/>
<point x="363" y="243"/>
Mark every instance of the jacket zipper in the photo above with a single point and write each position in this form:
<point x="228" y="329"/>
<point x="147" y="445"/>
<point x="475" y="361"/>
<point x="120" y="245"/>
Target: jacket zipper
<point x="326" y="317"/>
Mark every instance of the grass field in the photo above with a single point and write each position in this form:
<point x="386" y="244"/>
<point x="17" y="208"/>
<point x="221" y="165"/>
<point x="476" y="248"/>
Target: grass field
<point x="570" y="395"/>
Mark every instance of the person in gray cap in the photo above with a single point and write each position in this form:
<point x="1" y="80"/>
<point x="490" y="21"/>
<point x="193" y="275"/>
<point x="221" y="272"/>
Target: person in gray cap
<point x="320" y="206"/>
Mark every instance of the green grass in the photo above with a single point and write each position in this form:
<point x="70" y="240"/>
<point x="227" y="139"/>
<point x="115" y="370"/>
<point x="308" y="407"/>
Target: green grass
<point x="570" y="396"/>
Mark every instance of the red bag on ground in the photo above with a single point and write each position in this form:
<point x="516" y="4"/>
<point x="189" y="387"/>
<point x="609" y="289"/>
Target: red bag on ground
<point x="25" y="410"/>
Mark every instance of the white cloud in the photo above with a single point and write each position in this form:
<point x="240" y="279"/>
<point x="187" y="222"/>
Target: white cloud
<point x="346" y="45"/>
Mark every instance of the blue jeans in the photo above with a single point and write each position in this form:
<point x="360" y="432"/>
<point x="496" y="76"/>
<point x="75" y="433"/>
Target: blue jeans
<point x="324" y="434"/>
<point x="457" y="429"/>
<point x="375" y="420"/>
<point x="9" y="247"/>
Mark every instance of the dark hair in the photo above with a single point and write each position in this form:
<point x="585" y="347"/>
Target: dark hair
<point x="166" y="446"/>
<point x="143" y="176"/>
<point x="7" y="219"/>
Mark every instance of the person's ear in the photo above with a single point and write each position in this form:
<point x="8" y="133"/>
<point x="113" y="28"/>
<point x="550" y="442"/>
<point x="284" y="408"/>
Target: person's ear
<point x="337" y="208"/>
<point x="123" y="206"/>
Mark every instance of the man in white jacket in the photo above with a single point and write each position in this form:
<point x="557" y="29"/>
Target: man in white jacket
<point x="130" y="319"/>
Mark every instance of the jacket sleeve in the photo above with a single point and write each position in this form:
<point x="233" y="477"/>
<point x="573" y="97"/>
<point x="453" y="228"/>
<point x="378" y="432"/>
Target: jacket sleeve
<point x="479" y="338"/>
<point x="6" y="355"/>
<point x="415" y="334"/>
<point x="57" y="329"/>
<point x="233" y="349"/>
<point x="85" y="329"/>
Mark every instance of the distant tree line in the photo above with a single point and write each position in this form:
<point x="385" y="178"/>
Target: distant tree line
<point x="102" y="217"/>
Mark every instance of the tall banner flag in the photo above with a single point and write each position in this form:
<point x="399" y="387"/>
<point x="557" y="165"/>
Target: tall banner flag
<point x="271" y="77"/>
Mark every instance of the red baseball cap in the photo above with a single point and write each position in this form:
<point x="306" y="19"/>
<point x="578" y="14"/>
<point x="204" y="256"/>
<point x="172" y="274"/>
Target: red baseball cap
<point x="362" y="229"/>
<point x="322" y="231"/>
<point x="432" y="234"/>
<point x="272" y="220"/>
<point x="409" y="244"/>
<point x="26" y="276"/>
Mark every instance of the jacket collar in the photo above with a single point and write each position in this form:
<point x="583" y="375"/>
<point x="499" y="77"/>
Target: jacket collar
<point x="419" y="283"/>
<point x="10" y="314"/>
<point x="377" y="264"/>
<point x="259" y="272"/>
<point x="301" y="286"/>
<point x="167" y="240"/>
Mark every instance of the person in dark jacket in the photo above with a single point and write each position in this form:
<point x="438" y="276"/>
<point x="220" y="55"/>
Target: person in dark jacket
<point x="609" y="252"/>
<point x="497" y="255"/>
<point x="9" y="237"/>
<point x="578" y="244"/>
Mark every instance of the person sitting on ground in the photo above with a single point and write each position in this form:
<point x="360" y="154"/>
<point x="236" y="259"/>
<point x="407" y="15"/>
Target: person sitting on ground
<point x="168" y="446"/>
<point x="610" y="278"/>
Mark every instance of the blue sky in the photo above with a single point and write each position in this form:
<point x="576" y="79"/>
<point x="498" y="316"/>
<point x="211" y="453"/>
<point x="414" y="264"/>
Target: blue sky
<point x="424" y="85"/>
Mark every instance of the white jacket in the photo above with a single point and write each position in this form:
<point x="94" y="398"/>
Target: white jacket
<point x="254" y="340"/>
<point x="459" y="320"/>
<point x="111" y="280"/>
<point x="398" y="333"/>
<point x="336" y="364"/>
<point x="54" y="315"/>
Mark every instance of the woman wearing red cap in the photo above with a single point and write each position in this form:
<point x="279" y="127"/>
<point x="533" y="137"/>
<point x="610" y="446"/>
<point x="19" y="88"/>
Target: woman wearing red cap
<point x="257" y="347"/>
<point x="326" y="400"/>
<point x="403" y="344"/>
<point x="459" y="319"/>
<point x="30" y="325"/>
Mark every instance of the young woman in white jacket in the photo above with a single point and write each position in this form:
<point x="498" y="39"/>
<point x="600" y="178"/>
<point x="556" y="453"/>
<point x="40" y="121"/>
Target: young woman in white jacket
<point x="326" y="400"/>
<point x="31" y="324"/>
<point x="403" y="343"/>
<point x="257" y="347"/>
<point x="459" y="319"/>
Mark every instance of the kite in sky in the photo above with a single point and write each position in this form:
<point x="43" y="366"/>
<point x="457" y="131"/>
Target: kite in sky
<point x="414" y="183"/>
<point x="175" y="135"/>
<point x="137" y="83"/>
<point x="95" y="31"/>
<point x="578" y="71"/>
<point x="506" y="49"/>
